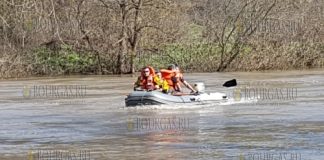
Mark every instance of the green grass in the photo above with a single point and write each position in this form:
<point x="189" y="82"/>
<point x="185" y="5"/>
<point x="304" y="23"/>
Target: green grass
<point x="64" y="61"/>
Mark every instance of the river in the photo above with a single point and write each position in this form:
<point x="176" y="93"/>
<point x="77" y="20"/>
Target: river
<point x="268" y="115"/>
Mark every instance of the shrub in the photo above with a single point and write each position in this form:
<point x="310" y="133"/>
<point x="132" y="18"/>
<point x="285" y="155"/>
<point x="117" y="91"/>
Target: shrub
<point x="64" y="61"/>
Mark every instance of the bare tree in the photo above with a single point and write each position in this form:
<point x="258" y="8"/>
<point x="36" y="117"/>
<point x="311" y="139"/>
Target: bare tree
<point x="135" y="17"/>
<point x="115" y="31"/>
<point x="231" y="23"/>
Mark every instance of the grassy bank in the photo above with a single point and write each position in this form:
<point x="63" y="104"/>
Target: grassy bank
<point x="113" y="37"/>
<point x="199" y="57"/>
<point x="206" y="58"/>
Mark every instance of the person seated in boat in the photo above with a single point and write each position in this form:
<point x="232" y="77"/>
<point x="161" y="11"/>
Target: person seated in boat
<point x="147" y="80"/>
<point x="162" y="84"/>
<point x="179" y="79"/>
<point x="174" y="77"/>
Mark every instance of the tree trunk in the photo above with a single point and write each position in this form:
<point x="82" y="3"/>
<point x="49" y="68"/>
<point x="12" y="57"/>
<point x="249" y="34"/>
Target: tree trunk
<point x="132" y="63"/>
<point x="123" y="42"/>
<point x="135" y="36"/>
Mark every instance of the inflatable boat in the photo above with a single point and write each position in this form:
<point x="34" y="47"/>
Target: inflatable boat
<point x="139" y="98"/>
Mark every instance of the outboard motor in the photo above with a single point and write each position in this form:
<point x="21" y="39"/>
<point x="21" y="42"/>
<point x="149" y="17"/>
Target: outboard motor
<point x="200" y="87"/>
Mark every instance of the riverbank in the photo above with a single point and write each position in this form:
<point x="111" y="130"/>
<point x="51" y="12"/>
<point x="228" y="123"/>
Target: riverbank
<point x="192" y="58"/>
<point x="251" y="63"/>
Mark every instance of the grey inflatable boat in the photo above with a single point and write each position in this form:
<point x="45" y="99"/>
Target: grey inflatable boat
<point x="139" y="98"/>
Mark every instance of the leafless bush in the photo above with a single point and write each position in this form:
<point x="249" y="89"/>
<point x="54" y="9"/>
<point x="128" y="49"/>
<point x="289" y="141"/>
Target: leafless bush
<point x="114" y="32"/>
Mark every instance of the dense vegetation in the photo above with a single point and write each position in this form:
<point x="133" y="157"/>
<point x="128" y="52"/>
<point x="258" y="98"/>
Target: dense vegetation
<point x="52" y="37"/>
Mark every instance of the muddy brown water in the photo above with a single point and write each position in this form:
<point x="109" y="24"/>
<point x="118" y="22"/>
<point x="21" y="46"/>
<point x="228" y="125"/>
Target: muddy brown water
<point x="269" y="114"/>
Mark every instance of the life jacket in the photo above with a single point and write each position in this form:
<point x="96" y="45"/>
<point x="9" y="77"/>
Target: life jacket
<point x="152" y="71"/>
<point x="147" y="83"/>
<point x="167" y="76"/>
<point x="165" y="86"/>
<point x="178" y="76"/>
<point x="161" y="82"/>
